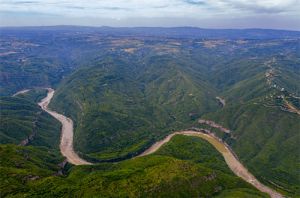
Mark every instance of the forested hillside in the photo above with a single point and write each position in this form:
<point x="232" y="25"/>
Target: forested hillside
<point x="120" y="110"/>
<point x="125" y="89"/>
<point x="153" y="95"/>
<point x="23" y="122"/>
<point x="170" y="172"/>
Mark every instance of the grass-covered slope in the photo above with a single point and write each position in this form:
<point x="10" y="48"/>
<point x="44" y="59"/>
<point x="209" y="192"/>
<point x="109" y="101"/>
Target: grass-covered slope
<point x="180" y="93"/>
<point x="266" y="140"/>
<point x="21" y="166"/>
<point x="34" y="95"/>
<point x="22" y="119"/>
<point x="185" y="167"/>
<point x="265" y="135"/>
<point x="288" y="72"/>
<point x="119" y="109"/>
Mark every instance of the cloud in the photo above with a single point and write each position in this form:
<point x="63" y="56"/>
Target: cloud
<point x="196" y="2"/>
<point x="249" y="6"/>
<point x="24" y="2"/>
<point x="264" y="6"/>
<point x="153" y="9"/>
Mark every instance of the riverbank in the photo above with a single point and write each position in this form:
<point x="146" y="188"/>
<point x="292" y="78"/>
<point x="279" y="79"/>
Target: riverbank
<point x="66" y="143"/>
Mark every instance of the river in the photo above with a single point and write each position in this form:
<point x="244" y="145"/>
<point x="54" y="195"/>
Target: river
<point x="66" y="141"/>
<point x="67" y="150"/>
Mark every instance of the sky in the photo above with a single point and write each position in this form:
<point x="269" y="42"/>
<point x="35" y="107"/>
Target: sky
<point x="271" y="14"/>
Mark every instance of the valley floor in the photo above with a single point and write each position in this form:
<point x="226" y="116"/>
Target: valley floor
<point x="66" y="147"/>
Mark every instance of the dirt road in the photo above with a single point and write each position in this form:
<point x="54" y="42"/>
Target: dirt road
<point x="66" y="143"/>
<point x="233" y="163"/>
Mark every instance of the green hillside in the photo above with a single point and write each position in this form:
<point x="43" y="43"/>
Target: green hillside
<point x="126" y="92"/>
<point x="34" y="95"/>
<point x="20" y="166"/>
<point x="266" y="140"/>
<point x="185" y="167"/>
<point x="120" y="106"/>
<point x="22" y="119"/>
<point x="118" y="113"/>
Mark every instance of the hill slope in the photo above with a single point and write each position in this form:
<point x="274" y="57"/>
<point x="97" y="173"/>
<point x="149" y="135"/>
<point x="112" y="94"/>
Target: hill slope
<point x="23" y="122"/>
<point x="118" y="113"/>
<point x="131" y="87"/>
<point x="170" y="172"/>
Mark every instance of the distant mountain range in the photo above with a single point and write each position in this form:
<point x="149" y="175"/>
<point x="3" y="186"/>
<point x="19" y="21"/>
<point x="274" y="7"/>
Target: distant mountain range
<point x="170" y="32"/>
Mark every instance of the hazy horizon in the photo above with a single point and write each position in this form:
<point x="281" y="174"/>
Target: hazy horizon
<point x="103" y="26"/>
<point x="217" y="14"/>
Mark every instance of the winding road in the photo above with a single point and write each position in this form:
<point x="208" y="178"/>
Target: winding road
<point x="66" y="148"/>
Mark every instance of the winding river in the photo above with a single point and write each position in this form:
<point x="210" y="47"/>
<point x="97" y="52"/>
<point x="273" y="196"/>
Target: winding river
<point x="66" y="147"/>
<point x="66" y="141"/>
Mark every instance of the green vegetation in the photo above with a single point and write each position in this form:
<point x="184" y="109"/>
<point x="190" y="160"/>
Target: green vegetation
<point x="124" y="92"/>
<point x="118" y="113"/>
<point x="121" y="105"/>
<point x="20" y="166"/>
<point x="34" y="95"/>
<point x="24" y="122"/>
<point x="288" y="74"/>
<point x="266" y="140"/>
<point x="168" y="173"/>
